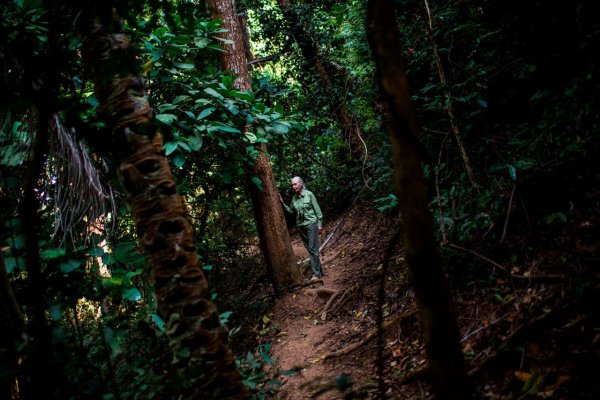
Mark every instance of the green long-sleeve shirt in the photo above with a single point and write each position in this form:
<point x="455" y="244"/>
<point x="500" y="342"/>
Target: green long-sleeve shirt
<point x="306" y="208"/>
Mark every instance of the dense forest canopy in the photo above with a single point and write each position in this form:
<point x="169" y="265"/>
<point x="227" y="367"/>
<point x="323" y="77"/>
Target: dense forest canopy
<point x="452" y="145"/>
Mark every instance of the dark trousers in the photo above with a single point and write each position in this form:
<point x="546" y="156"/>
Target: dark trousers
<point x="310" y="238"/>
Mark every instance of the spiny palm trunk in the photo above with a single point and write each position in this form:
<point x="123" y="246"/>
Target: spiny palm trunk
<point x="275" y="240"/>
<point x="424" y="261"/>
<point x="196" y="337"/>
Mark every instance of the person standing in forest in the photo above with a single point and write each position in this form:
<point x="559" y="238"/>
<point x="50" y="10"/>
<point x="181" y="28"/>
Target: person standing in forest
<point x="309" y="220"/>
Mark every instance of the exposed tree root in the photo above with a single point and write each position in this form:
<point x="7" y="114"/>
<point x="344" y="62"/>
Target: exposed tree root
<point x="338" y="300"/>
<point x="372" y="335"/>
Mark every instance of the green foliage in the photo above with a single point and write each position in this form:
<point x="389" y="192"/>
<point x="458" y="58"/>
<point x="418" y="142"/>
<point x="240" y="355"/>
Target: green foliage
<point x="263" y="384"/>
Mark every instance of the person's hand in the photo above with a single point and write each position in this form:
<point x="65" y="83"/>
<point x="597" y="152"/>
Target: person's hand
<point x="320" y="230"/>
<point x="280" y="198"/>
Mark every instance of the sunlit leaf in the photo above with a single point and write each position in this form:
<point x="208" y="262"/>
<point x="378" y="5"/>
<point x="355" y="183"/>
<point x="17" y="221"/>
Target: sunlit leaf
<point x="512" y="171"/>
<point x="170" y="147"/>
<point x="131" y="294"/>
<point x="224" y="317"/>
<point x="159" y="322"/>
<point x="51" y="254"/>
<point x="184" y="65"/>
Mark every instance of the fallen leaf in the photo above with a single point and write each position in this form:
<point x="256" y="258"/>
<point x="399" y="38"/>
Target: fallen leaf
<point x="522" y="375"/>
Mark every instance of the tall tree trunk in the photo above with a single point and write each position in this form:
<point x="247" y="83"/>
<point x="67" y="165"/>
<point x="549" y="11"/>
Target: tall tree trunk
<point x="422" y="253"/>
<point x="196" y="336"/>
<point x="310" y="51"/>
<point x="274" y="237"/>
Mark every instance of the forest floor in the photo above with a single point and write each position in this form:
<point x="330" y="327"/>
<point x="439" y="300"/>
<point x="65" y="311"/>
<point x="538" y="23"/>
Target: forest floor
<point x="524" y="333"/>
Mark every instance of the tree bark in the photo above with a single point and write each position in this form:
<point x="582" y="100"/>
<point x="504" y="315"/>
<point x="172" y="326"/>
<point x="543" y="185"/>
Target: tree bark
<point x="275" y="240"/>
<point x="422" y="253"/>
<point x="310" y="51"/>
<point x="196" y="336"/>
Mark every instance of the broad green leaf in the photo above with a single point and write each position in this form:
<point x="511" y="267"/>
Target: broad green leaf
<point x="201" y="42"/>
<point x="280" y="128"/>
<point x="232" y="108"/>
<point x="56" y="311"/>
<point x="185" y="146"/>
<point x="178" y="160"/>
<point x="226" y="128"/>
<point x="224" y="317"/>
<point x="482" y="103"/>
<point x="225" y="41"/>
<point x="288" y="372"/>
<point x="184" y="65"/>
<point x="70" y="265"/>
<point x="166" y="107"/>
<point x="267" y="359"/>
<point x="51" y="254"/>
<point x="512" y="171"/>
<point x="213" y="93"/>
<point x="96" y="252"/>
<point x="131" y="294"/>
<point x="207" y="267"/>
<point x="166" y="119"/>
<point x="250" y="136"/>
<point x="205" y="113"/>
<point x="196" y="142"/>
<point x="244" y="96"/>
<point x="10" y="264"/>
<point x="159" y="322"/>
<point x="256" y="180"/>
<point x="181" y="98"/>
<point x="170" y="147"/>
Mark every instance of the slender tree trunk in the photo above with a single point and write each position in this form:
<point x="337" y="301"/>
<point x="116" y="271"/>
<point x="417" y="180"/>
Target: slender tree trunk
<point x="422" y="253"/>
<point x="274" y="237"/>
<point x="196" y="336"/>
<point x="310" y="51"/>
<point x="448" y="98"/>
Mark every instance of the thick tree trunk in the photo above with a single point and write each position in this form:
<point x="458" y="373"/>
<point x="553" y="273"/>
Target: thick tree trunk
<point x="196" y="336"/>
<point x="310" y="51"/>
<point x="270" y="222"/>
<point x="422" y="253"/>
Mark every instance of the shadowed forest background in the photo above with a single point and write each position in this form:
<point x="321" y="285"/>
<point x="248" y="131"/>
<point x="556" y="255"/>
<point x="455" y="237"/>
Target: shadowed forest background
<point x="452" y="145"/>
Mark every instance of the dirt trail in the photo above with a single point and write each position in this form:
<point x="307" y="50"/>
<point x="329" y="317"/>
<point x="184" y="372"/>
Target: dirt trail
<point x="305" y="336"/>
